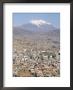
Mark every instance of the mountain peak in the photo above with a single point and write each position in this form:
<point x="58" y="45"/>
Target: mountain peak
<point x="39" y="22"/>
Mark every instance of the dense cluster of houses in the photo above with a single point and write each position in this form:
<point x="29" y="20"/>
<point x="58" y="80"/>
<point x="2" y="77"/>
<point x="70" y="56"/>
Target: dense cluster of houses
<point x="36" y="63"/>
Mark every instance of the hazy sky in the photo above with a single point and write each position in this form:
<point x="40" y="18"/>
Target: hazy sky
<point x="22" y="18"/>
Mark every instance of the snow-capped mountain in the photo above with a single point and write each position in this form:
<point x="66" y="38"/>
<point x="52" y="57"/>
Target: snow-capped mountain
<point x="38" y="25"/>
<point x="36" y="28"/>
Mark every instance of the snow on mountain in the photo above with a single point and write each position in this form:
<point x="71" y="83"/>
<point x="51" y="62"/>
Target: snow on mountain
<point x="39" y="22"/>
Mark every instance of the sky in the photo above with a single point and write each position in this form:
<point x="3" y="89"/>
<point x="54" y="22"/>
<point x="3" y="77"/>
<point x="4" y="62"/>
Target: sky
<point x="23" y="18"/>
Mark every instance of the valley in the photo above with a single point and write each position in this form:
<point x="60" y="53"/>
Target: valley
<point x="36" y="53"/>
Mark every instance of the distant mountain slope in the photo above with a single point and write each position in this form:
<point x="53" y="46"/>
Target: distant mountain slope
<point x="36" y="29"/>
<point x="37" y="25"/>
